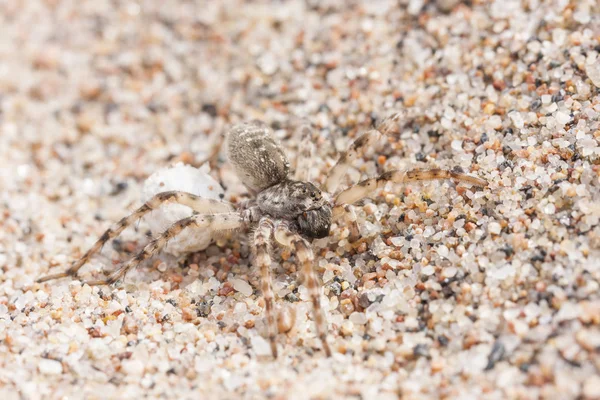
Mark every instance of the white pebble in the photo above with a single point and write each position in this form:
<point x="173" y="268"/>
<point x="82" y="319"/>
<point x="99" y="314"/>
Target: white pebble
<point x="268" y="64"/>
<point x="494" y="122"/>
<point x="449" y="272"/>
<point x="162" y="267"/>
<point x="593" y="72"/>
<point x="559" y="36"/>
<point x="456" y="145"/>
<point x="443" y="251"/>
<point x="428" y="270"/>
<point x="242" y="286"/>
<point x="591" y="387"/>
<point x="203" y="365"/>
<point x="520" y="328"/>
<point x="50" y="367"/>
<point x="347" y="327"/>
<point x="562" y="118"/>
<point x="133" y="367"/>
<point x="516" y="119"/>
<point x="397" y="241"/>
<point x="494" y="228"/>
<point x="546" y="99"/>
<point x="187" y="179"/>
<point x="582" y="16"/>
<point x="550" y="209"/>
<point x="358" y="318"/>
<point x="240" y="308"/>
<point x="260" y="345"/>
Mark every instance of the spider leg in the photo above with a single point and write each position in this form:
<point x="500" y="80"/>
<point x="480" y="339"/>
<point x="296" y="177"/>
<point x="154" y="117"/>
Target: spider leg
<point x="306" y="152"/>
<point x="366" y="187"/>
<point x="262" y="240"/>
<point x="214" y="222"/>
<point x="216" y="142"/>
<point x="196" y="203"/>
<point x="356" y="149"/>
<point x="350" y="219"/>
<point x="338" y="171"/>
<point x="288" y="238"/>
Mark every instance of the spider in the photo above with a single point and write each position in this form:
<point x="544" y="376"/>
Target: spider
<point x="285" y="210"/>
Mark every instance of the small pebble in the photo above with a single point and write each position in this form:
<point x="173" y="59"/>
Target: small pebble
<point x="50" y="367"/>
<point x="443" y="251"/>
<point x="347" y="327"/>
<point x="286" y="318"/>
<point x="133" y="367"/>
<point x="494" y="228"/>
<point x="593" y="72"/>
<point x="242" y="286"/>
<point x="449" y="272"/>
<point x="562" y="118"/>
<point x="591" y="387"/>
<point x="358" y="318"/>
<point x="260" y="345"/>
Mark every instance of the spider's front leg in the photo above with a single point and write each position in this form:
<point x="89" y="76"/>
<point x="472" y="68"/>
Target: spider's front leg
<point x="368" y="186"/>
<point x="214" y="222"/>
<point x="196" y="203"/>
<point x="344" y="200"/>
<point x="304" y="253"/>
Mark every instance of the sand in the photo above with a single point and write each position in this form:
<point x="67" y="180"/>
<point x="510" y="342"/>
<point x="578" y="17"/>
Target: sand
<point x="449" y="292"/>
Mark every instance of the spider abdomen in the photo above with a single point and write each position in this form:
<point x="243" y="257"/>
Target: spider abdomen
<point x="258" y="160"/>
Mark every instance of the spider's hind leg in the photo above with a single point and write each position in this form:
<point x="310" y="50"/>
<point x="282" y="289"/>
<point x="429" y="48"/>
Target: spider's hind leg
<point x="214" y="222"/>
<point x="196" y="203"/>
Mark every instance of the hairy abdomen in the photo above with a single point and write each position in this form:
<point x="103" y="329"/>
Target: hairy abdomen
<point x="258" y="159"/>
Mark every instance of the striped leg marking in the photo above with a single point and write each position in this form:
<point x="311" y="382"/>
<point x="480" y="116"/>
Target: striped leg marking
<point x="262" y="240"/>
<point x="304" y="253"/>
<point x="368" y="186"/>
<point x="214" y="222"/>
<point x="196" y="203"/>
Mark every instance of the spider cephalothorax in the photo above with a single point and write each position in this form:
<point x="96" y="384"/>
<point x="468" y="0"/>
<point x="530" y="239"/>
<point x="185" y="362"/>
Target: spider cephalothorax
<point x="288" y="211"/>
<point x="299" y="202"/>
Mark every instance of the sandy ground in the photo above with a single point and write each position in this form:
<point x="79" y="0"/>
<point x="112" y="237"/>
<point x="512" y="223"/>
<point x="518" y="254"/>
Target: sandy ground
<point x="450" y="292"/>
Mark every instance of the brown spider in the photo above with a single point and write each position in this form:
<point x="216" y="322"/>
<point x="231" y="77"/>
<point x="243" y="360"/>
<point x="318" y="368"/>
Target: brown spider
<point x="290" y="211"/>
